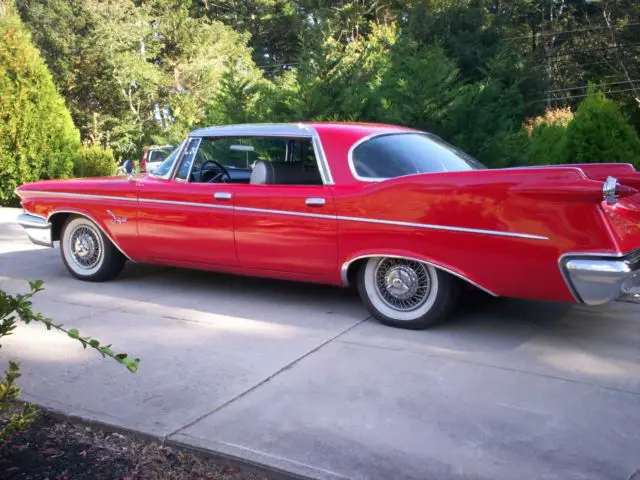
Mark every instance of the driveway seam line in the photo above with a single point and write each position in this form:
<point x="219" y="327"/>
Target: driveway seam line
<point x="488" y="365"/>
<point x="267" y="379"/>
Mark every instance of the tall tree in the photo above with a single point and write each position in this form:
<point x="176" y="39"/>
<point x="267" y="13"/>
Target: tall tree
<point x="37" y="137"/>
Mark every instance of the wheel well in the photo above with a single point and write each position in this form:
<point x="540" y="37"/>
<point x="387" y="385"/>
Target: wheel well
<point x="352" y="270"/>
<point x="355" y="266"/>
<point x="57" y="220"/>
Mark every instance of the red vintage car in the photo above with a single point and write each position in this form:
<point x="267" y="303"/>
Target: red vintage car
<point x="398" y="212"/>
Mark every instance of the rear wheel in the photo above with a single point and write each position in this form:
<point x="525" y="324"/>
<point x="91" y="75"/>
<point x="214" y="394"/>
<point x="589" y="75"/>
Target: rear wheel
<point x="406" y="293"/>
<point x="88" y="253"/>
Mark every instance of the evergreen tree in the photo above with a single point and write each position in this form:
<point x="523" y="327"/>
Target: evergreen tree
<point x="37" y="137"/>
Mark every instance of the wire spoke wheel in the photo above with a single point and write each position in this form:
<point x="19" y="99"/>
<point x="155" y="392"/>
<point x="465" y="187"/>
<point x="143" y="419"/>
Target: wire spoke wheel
<point x="405" y="292"/>
<point x="403" y="285"/>
<point x="86" y="247"/>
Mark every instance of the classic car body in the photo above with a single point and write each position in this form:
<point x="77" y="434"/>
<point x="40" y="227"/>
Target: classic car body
<point x="342" y="215"/>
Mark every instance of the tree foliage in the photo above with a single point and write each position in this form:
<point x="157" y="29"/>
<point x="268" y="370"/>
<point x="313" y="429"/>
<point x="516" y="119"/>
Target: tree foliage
<point x="135" y="73"/>
<point x="37" y="137"/>
<point x="599" y="132"/>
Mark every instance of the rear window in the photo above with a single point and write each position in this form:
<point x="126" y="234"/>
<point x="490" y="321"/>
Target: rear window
<point x="158" y="155"/>
<point x="396" y="155"/>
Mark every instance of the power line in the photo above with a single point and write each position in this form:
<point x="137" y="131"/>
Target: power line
<point x="598" y="49"/>
<point x="600" y="85"/>
<point x="551" y="34"/>
<point x="558" y="99"/>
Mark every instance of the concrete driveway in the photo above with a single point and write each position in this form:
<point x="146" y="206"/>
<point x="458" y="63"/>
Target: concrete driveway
<point x="299" y="378"/>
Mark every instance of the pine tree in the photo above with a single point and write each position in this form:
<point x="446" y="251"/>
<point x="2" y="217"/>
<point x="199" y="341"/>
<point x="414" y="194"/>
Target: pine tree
<point x="37" y="137"/>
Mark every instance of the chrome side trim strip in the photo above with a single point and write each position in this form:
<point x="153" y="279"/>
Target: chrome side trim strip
<point x="77" y="212"/>
<point x="286" y="212"/>
<point x="345" y="268"/>
<point x="445" y="227"/>
<point x="313" y="215"/>
<point x="187" y="204"/>
<point x="82" y="195"/>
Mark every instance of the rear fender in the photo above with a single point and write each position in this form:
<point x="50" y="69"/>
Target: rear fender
<point x="347" y="264"/>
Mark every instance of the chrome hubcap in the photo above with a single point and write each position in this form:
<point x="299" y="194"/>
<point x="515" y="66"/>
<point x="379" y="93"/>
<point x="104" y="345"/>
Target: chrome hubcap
<point x="85" y="247"/>
<point x="402" y="284"/>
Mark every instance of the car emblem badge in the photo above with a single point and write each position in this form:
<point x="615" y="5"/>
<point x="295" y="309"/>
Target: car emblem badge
<point x="115" y="218"/>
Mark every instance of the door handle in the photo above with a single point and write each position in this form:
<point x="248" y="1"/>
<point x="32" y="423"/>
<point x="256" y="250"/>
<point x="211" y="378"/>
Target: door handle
<point x="222" y="196"/>
<point x="314" y="202"/>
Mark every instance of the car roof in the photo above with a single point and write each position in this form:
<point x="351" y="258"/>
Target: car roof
<point x="295" y="129"/>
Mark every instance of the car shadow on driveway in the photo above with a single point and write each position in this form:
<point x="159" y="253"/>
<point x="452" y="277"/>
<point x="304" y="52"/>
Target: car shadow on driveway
<point x="479" y="324"/>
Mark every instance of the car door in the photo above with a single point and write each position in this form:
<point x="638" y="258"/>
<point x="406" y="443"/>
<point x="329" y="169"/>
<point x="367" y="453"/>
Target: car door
<point x="287" y="227"/>
<point x="184" y="222"/>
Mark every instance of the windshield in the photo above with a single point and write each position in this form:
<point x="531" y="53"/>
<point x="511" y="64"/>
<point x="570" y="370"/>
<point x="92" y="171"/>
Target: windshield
<point x="396" y="155"/>
<point x="164" y="169"/>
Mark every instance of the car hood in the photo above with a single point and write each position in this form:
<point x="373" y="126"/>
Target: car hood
<point x="97" y="186"/>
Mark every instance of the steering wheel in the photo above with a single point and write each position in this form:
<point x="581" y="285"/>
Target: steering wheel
<point x="222" y="172"/>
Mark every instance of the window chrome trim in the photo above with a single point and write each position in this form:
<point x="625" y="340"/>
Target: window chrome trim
<point x="274" y="130"/>
<point x="426" y="226"/>
<point x="352" y="167"/>
<point x="184" y="151"/>
<point x="359" y="142"/>
<point x="321" y="158"/>
<point x="345" y="269"/>
<point x="171" y="171"/>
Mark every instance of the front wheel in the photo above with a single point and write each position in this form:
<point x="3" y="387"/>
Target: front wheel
<point x="88" y="253"/>
<point x="406" y="293"/>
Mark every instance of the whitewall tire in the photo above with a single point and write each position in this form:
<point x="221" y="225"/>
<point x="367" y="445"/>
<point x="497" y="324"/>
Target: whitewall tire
<point x="88" y="253"/>
<point x="406" y="293"/>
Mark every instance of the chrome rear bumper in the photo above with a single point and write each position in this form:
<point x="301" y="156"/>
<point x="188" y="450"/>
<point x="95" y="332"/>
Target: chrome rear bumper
<point x="596" y="280"/>
<point x="38" y="229"/>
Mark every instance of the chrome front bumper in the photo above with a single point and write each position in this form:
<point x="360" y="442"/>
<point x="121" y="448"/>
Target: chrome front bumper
<point x="38" y="229"/>
<point x="596" y="280"/>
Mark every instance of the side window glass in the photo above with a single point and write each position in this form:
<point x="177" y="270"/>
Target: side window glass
<point x="164" y="169"/>
<point x="302" y="151"/>
<point x="188" y="158"/>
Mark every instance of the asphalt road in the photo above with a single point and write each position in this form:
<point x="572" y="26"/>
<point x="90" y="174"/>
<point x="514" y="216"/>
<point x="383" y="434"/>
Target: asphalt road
<point x="299" y="378"/>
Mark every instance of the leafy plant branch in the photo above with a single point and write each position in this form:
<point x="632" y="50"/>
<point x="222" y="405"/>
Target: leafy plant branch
<point x="21" y="305"/>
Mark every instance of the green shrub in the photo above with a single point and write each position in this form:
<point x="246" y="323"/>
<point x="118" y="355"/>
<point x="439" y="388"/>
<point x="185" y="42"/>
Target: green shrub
<point x="94" y="161"/>
<point x="599" y="132"/>
<point x="37" y="137"/>
<point x="547" y="145"/>
<point x="18" y="308"/>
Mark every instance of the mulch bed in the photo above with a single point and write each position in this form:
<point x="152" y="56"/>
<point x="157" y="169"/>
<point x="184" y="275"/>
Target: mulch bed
<point x="50" y="449"/>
